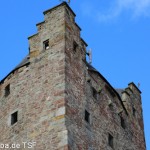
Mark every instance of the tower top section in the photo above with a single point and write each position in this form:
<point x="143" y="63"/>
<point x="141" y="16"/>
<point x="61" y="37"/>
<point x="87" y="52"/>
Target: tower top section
<point x="55" y="7"/>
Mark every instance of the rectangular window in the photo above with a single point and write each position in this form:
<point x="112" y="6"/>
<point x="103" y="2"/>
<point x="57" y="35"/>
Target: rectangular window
<point x="14" y="117"/>
<point x="87" y="116"/>
<point x="122" y="122"/>
<point x="7" y="90"/>
<point x="75" y="45"/>
<point x="46" y="44"/>
<point x="110" y="140"/>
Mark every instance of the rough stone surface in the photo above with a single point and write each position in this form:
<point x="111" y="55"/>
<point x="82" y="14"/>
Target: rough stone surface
<point x="52" y="93"/>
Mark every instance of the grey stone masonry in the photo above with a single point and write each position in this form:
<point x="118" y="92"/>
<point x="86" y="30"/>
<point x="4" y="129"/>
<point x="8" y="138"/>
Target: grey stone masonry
<point x="55" y="100"/>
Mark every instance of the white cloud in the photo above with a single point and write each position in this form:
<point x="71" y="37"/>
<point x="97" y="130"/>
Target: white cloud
<point x="137" y="7"/>
<point x="134" y="8"/>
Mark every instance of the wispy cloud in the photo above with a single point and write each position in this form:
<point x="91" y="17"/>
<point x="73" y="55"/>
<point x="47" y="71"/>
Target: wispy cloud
<point x="137" y="7"/>
<point x="134" y="8"/>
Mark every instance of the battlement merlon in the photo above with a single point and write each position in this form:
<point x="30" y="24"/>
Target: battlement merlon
<point x="134" y="88"/>
<point x="62" y="4"/>
<point x="131" y="95"/>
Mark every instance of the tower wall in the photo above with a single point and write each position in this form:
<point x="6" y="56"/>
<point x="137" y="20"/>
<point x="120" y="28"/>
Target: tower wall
<point x="37" y="91"/>
<point x="62" y="102"/>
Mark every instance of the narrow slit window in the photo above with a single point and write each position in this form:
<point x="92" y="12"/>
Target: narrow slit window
<point x="111" y="107"/>
<point x="110" y="140"/>
<point x="110" y="104"/>
<point x="134" y="111"/>
<point x="7" y="90"/>
<point x="87" y="116"/>
<point x="94" y="92"/>
<point x="46" y="44"/>
<point x="14" y="117"/>
<point x="67" y="12"/>
<point x="122" y="122"/>
<point x="75" y="45"/>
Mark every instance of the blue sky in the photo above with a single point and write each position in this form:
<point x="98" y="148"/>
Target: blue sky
<point x="118" y="31"/>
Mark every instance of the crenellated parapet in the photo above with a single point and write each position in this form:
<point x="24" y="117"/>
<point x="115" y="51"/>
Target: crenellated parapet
<point x="131" y="97"/>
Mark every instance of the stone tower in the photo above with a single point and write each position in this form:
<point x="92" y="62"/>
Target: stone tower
<point x="55" y="100"/>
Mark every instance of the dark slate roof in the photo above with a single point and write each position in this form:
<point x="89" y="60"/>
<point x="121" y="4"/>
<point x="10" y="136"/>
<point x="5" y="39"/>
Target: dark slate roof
<point x="90" y="67"/>
<point x="24" y="62"/>
<point x="118" y="92"/>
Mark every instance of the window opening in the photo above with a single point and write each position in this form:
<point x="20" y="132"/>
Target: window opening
<point x="134" y="111"/>
<point x="46" y="44"/>
<point x="110" y="104"/>
<point x="75" y="45"/>
<point x="14" y="117"/>
<point x="7" y="90"/>
<point x="110" y="141"/>
<point x="94" y="93"/>
<point x="122" y="122"/>
<point x="87" y="116"/>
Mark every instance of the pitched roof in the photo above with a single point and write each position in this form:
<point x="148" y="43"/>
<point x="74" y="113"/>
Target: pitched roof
<point x="118" y="92"/>
<point x="24" y="62"/>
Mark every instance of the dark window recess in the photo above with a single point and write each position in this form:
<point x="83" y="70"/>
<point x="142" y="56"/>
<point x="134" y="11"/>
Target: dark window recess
<point x="134" y="111"/>
<point x="7" y="90"/>
<point x="94" y="92"/>
<point x="110" y="91"/>
<point x="122" y="122"/>
<point x="87" y="116"/>
<point x="88" y="80"/>
<point x="67" y="12"/>
<point x="110" y="141"/>
<point x="111" y="105"/>
<point x="14" y="117"/>
<point x="75" y="45"/>
<point x="46" y="44"/>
